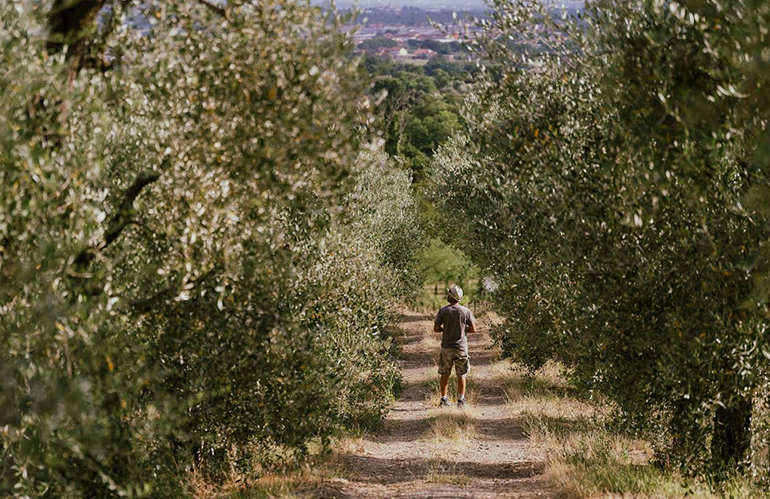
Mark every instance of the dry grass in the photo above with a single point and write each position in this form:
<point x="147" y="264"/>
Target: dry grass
<point x="450" y="424"/>
<point x="430" y="343"/>
<point x="586" y="459"/>
<point x="270" y="485"/>
<point x="443" y="472"/>
<point x="292" y="480"/>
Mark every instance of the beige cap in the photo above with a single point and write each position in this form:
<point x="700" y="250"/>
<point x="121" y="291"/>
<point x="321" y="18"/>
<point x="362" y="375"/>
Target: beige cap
<point x="455" y="292"/>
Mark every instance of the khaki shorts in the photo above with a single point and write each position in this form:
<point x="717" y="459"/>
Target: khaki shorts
<point x="453" y="357"/>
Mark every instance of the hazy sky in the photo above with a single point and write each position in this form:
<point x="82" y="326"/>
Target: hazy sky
<point x="433" y="4"/>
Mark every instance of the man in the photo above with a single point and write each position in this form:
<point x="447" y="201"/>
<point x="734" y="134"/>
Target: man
<point x="453" y="321"/>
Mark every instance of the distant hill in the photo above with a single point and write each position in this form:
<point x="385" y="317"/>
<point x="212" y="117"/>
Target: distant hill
<point x="412" y="16"/>
<point x="416" y="16"/>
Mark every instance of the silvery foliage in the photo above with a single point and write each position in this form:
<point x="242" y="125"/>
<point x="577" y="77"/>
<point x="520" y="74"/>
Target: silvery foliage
<point x="199" y="249"/>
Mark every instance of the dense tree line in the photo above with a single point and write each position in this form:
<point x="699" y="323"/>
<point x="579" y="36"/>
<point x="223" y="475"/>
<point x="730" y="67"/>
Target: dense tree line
<point x="378" y="42"/>
<point x="443" y="48"/>
<point x="200" y="242"/>
<point x="617" y="188"/>
<point x="419" y="107"/>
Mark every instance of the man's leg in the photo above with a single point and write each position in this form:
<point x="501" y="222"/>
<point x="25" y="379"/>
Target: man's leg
<point x="462" y="368"/>
<point x="444" y="369"/>
<point x="444" y="383"/>
<point x="461" y="387"/>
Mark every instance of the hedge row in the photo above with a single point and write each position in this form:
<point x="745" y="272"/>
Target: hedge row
<point x="614" y="181"/>
<point x="199" y="249"/>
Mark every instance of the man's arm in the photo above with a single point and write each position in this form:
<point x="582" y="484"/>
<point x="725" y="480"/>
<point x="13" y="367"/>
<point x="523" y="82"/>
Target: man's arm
<point x="438" y="324"/>
<point x="472" y="327"/>
<point x="471" y="324"/>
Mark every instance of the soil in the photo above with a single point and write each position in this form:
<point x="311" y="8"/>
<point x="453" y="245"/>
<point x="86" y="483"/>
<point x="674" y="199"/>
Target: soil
<point x="404" y="460"/>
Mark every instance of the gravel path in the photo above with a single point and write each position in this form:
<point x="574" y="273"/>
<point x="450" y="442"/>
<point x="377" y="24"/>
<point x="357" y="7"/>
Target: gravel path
<point x="492" y="459"/>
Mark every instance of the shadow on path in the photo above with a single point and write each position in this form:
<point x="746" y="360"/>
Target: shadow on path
<point x="389" y="471"/>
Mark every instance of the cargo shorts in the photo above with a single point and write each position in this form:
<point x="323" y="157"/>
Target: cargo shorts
<point x="453" y="357"/>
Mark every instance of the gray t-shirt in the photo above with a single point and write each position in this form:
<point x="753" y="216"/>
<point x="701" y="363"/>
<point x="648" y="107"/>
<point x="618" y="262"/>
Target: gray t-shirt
<point x="455" y="318"/>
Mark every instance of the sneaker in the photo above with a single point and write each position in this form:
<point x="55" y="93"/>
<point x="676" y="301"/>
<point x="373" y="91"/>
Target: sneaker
<point x="444" y="403"/>
<point x="461" y="403"/>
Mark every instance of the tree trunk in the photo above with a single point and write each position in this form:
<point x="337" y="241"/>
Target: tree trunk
<point x="732" y="435"/>
<point x="69" y="22"/>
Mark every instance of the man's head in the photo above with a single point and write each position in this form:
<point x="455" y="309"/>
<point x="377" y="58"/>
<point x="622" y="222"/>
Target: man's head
<point x="454" y="294"/>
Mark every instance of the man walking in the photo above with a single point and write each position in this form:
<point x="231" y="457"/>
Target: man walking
<point x="452" y="321"/>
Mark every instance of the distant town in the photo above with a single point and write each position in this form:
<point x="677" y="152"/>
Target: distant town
<point x="414" y="34"/>
<point x="409" y="33"/>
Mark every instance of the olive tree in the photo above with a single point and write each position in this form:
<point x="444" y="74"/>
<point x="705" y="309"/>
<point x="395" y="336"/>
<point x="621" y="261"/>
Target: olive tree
<point x="199" y="245"/>
<point x="613" y="184"/>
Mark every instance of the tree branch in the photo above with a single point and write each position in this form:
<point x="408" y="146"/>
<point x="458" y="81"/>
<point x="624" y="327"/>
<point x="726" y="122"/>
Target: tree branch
<point x="122" y="218"/>
<point x="142" y="306"/>
<point x="222" y="11"/>
<point x="124" y="214"/>
<point x="146" y="304"/>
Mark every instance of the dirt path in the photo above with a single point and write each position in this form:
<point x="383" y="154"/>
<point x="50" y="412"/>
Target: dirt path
<point x="426" y="452"/>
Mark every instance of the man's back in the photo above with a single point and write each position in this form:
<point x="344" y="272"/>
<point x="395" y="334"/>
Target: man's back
<point x="455" y="318"/>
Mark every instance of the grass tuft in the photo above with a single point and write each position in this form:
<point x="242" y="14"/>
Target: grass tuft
<point x="451" y="424"/>
<point x="443" y="472"/>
